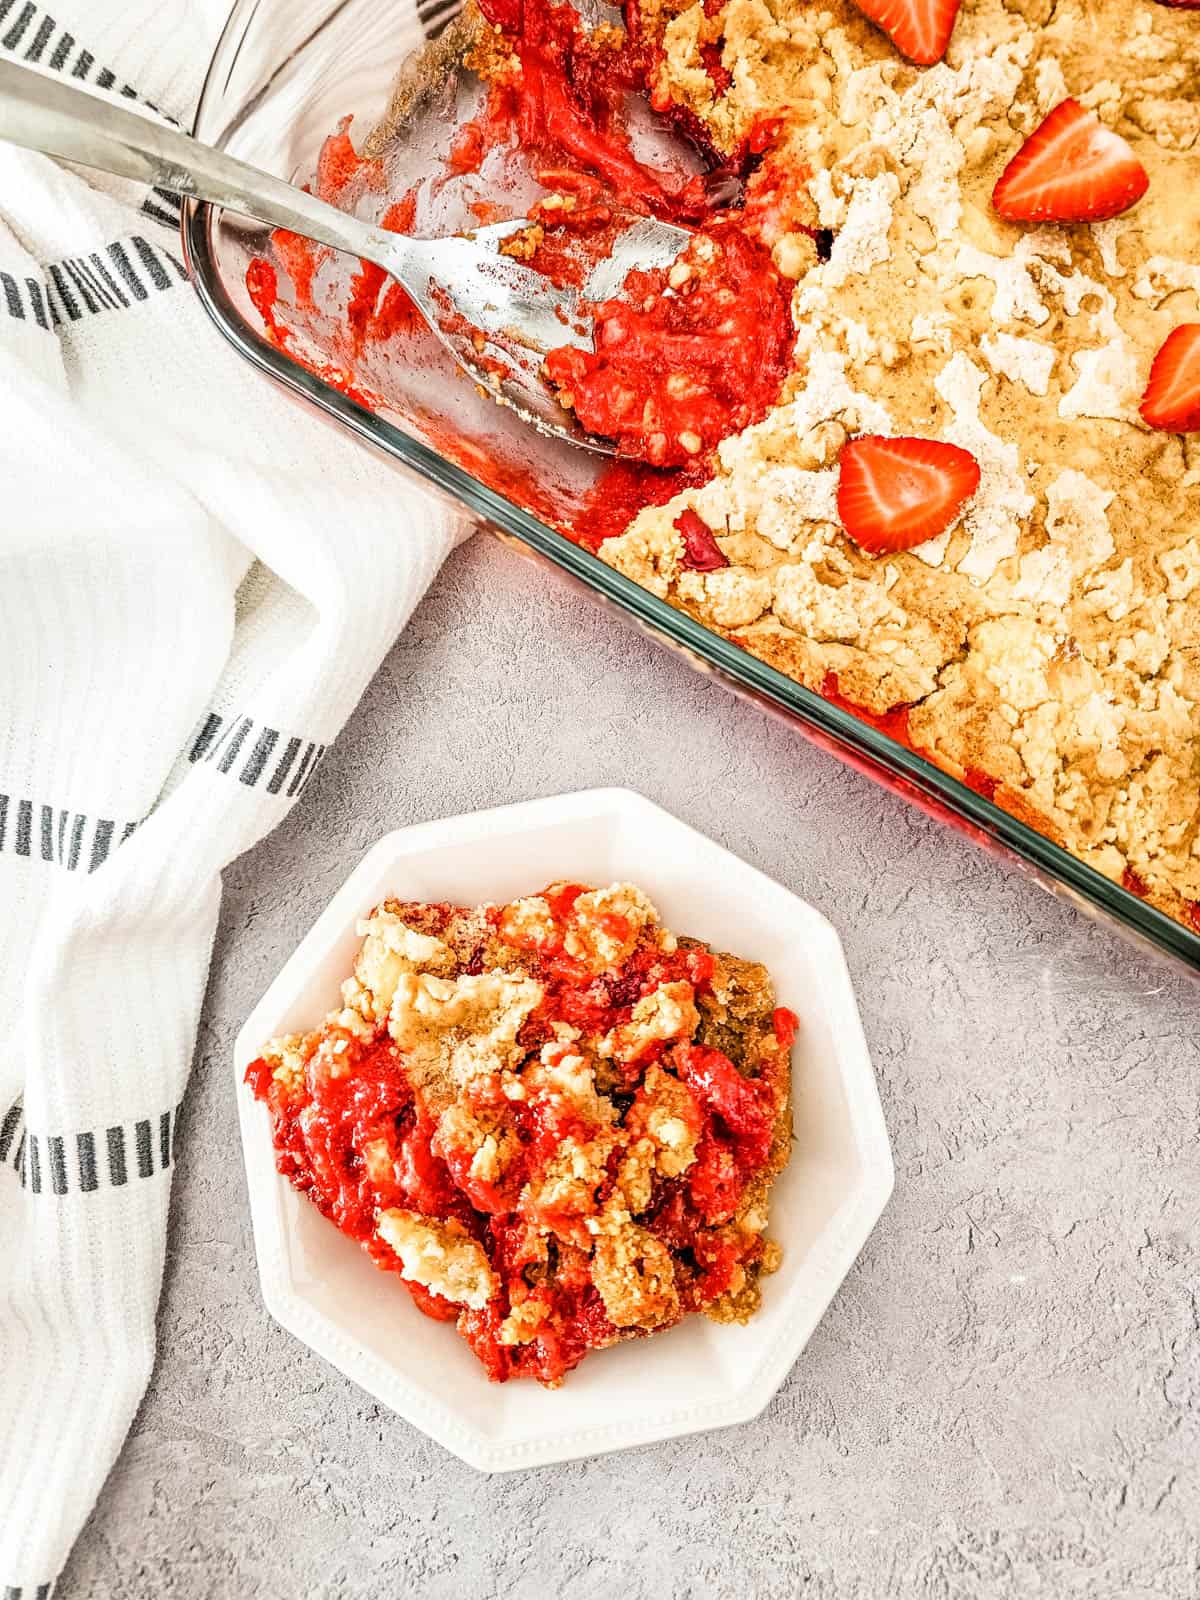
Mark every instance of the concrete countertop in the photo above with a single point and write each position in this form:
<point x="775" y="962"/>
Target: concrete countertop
<point x="1004" y="1398"/>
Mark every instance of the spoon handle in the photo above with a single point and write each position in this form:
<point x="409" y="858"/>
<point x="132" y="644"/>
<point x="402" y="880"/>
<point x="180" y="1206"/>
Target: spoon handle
<point x="43" y="113"/>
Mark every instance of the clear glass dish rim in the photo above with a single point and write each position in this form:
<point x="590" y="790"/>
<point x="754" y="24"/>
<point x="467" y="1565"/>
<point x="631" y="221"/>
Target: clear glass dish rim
<point x="1035" y="850"/>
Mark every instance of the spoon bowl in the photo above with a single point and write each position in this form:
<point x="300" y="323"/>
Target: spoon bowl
<point x="497" y="316"/>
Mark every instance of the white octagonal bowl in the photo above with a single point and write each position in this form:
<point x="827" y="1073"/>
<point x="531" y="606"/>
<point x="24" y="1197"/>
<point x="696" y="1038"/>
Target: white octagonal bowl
<point x="324" y="1289"/>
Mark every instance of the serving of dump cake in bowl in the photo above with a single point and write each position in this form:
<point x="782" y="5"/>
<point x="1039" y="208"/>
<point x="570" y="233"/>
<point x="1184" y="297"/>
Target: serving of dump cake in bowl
<point x="557" y="1121"/>
<point x="616" y="1196"/>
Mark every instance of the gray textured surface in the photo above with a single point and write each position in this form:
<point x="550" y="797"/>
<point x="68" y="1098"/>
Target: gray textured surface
<point x="1003" y="1400"/>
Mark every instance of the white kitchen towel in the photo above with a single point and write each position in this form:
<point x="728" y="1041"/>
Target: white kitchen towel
<point x="196" y="582"/>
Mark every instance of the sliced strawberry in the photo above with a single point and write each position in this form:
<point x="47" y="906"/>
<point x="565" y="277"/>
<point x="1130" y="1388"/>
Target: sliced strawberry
<point x="1181" y="5"/>
<point x="1172" y="397"/>
<point x="920" y="29"/>
<point x="701" y="552"/>
<point x="896" y="493"/>
<point x="1070" y="169"/>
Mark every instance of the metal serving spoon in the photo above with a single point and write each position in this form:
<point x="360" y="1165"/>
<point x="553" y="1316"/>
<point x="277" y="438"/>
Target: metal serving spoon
<point x="466" y="291"/>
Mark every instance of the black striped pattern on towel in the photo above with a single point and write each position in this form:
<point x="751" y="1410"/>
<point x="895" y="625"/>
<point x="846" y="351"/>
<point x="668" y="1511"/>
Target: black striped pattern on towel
<point x="81" y="1163"/>
<point x="436" y="15"/>
<point x="127" y="271"/>
<point x="256" y="754"/>
<point x="112" y="278"/>
<point x="32" y="34"/>
<point x="58" y="835"/>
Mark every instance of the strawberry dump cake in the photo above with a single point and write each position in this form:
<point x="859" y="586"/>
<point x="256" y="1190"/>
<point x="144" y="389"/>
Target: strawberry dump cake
<point x="914" y="420"/>
<point x="1005" y="325"/>
<point x="558" y="1123"/>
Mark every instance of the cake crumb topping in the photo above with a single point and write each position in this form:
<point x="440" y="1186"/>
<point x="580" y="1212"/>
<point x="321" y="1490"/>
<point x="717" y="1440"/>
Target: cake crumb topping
<point x="1042" y="647"/>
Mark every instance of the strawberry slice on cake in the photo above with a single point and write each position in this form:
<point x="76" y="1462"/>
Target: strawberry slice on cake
<point x="896" y="493"/>
<point x="1172" y="397"/>
<point x="1070" y="169"/>
<point x="920" y="29"/>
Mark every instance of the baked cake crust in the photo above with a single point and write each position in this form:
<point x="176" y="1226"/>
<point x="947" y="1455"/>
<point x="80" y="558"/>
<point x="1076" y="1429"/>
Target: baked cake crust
<point x="1045" y="647"/>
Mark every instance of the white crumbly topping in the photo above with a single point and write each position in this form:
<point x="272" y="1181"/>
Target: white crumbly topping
<point x="1078" y="542"/>
<point x="595" y="936"/>
<point x="1181" y="568"/>
<point x="671" y="1119"/>
<point x="1050" y="87"/>
<point x="523" y="1321"/>
<point x="439" y="1256"/>
<point x="933" y="551"/>
<point x="1044" y="576"/>
<point x="389" y="949"/>
<point x="1027" y="361"/>
<point x="635" y="1276"/>
<point x="732" y="597"/>
<point x="1002" y="502"/>
<point x="390" y="933"/>
<point x="1107" y="236"/>
<point x="831" y="206"/>
<point x="1077" y="517"/>
<point x="1016" y="298"/>
<point x="377" y="1159"/>
<point x="932" y="327"/>
<point x="828" y="394"/>
<point x="353" y="1016"/>
<point x="845" y="613"/>
<point x="1109" y="382"/>
<point x="529" y="921"/>
<point x="286" y="1058"/>
<point x="1108" y="374"/>
<point x="1165" y="275"/>
<point x="485" y="1163"/>
<point x="574" y="1078"/>
<point x="925" y="129"/>
<point x="862" y="238"/>
<point x="452" y="1030"/>
<point x="789" y="495"/>
<point x="666" y="1013"/>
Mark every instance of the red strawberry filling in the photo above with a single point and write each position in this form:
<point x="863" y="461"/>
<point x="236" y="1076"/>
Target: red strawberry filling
<point x="687" y="355"/>
<point x="676" y="366"/>
<point x="701" y="552"/>
<point x="354" y="1129"/>
<point x="690" y="353"/>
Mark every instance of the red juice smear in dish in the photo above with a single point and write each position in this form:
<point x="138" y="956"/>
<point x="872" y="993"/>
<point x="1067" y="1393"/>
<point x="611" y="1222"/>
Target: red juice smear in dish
<point x="894" y="722"/>
<point x="622" y="490"/>
<point x="676" y="368"/>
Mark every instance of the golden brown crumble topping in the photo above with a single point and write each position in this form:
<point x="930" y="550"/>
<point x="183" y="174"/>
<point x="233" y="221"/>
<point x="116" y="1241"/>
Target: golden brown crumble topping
<point x="1046" y="645"/>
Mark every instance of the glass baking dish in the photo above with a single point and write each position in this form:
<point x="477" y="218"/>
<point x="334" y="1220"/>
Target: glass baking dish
<point x="284" y="73"/>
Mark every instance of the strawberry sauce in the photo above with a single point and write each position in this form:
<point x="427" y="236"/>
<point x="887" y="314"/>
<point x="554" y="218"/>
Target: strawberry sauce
<point x="683" y="356"/>
<point x="687" y="355"/>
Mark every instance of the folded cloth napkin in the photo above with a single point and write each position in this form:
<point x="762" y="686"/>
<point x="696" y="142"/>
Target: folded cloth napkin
<point x="197" y="580"/>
